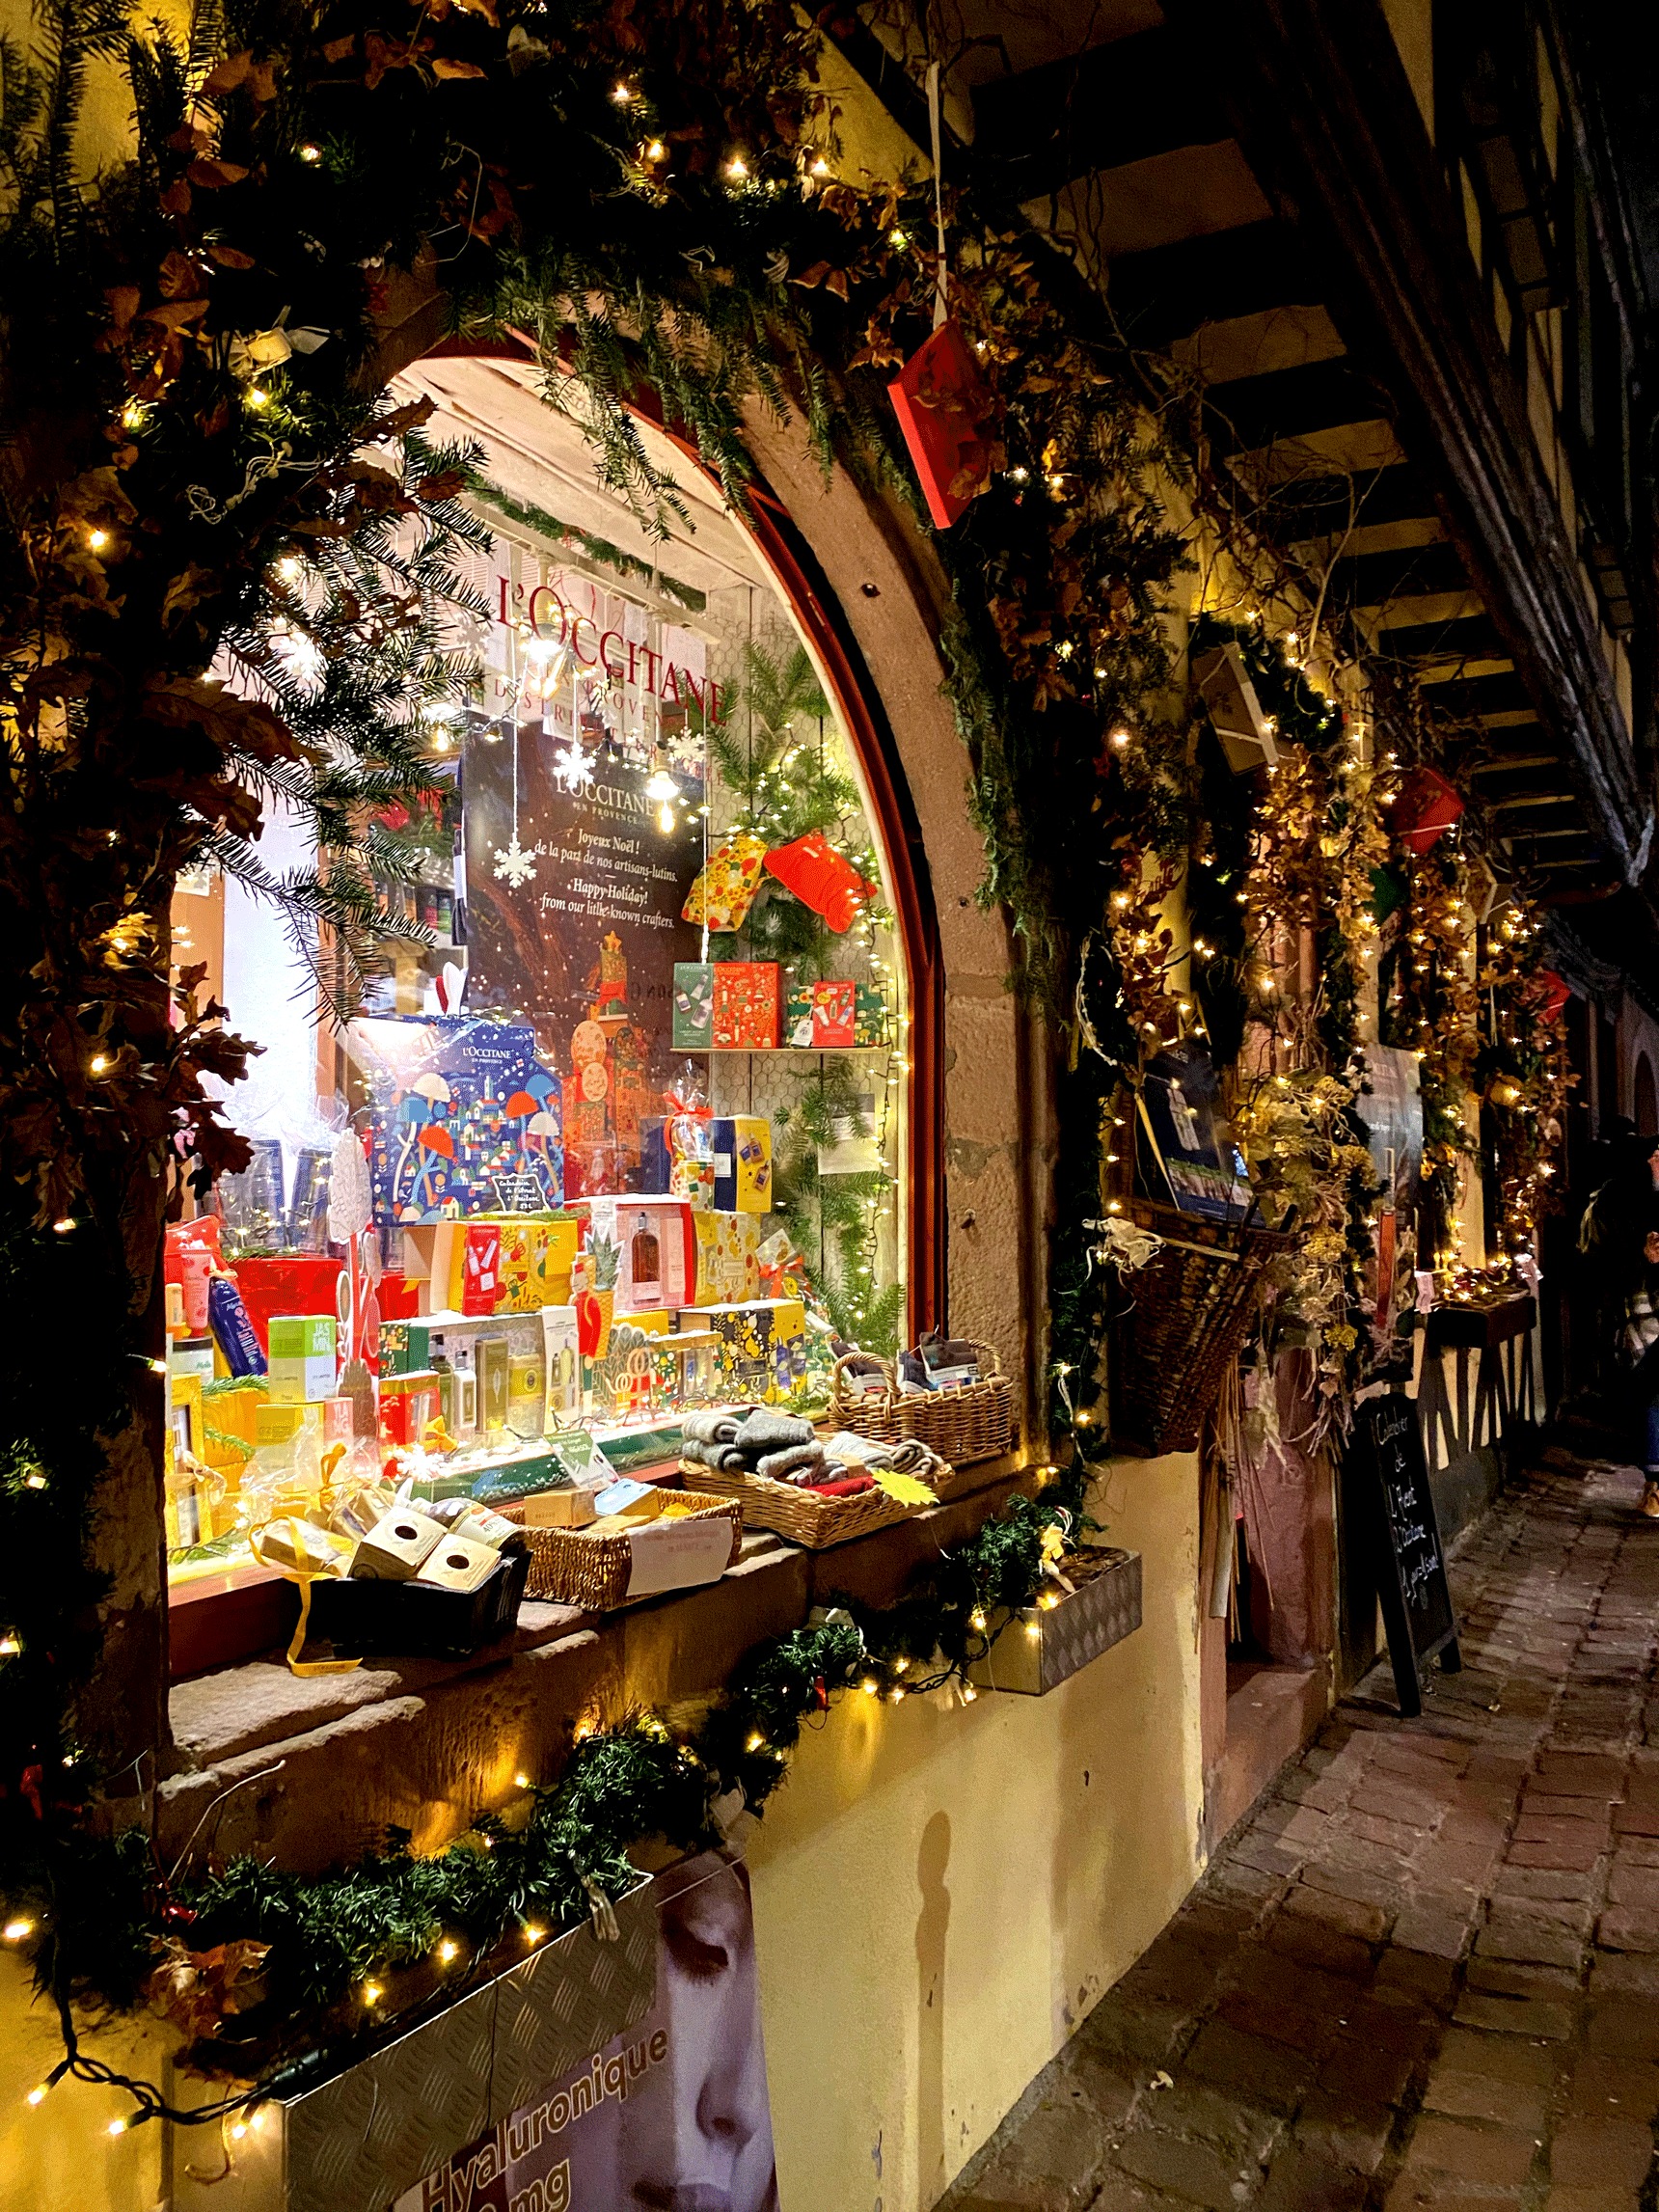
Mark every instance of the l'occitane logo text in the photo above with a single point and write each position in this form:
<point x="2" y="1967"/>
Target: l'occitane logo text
<point x="555" y="622"/>
<point x="517" y="2138"/>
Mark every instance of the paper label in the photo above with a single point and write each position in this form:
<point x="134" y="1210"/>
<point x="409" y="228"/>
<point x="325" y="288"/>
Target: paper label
<point x="678" y="1554"/>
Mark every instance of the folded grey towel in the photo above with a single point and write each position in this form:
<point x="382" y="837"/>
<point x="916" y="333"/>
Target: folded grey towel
<point x="717" y="1426"/>
<point x="765" y="1432"/>
<point x="860" y="1451"/>
<point x="730" y="1459"/>
<point x="908" y="1457"/>
<point x="792" y="1464"/>
<point x="699" y="1453"/>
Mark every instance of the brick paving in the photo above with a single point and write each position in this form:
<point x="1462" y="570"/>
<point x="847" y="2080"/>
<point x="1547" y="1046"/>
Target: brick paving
<point x="1424" y="1972"/>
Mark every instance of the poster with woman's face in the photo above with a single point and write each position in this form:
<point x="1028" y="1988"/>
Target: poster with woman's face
<point x="672" y="2116"/>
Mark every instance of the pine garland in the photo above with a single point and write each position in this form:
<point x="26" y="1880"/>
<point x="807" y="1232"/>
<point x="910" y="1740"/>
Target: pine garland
<point x="277" y="1977"/>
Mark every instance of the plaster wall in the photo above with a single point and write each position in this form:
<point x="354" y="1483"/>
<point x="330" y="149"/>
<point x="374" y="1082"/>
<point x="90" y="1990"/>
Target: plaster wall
<point x="942" y="1894"/>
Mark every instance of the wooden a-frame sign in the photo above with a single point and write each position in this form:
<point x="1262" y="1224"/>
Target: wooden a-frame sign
<point x="1411" y="1583"/>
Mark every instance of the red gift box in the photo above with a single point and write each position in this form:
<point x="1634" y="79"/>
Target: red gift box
<point x="481" y="1268"/>
<point x="945" y="408"/>
<point x="1424" y="810"/>
<point x="748" y="1005"/>
<point x="286" y="1282"/>
<point x="832" y="1014"/>
<point x="1547" y="993"/>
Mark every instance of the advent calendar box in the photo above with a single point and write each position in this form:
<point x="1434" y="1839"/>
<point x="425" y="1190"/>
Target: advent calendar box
<point x="748" y="1005"/>
<point x="466" y="1119"/>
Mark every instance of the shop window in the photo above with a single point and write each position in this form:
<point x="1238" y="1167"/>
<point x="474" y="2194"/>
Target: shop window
<point x="632" y="1098"/>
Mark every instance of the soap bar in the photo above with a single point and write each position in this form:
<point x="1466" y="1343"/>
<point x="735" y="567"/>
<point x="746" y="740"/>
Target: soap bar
<point x="458" y="1563"/>
<point x="478" y="1525"/>
<point x="628" y="1501"/>
<point x="302" y="1549"/>
<point x="559" y="1508"/>
<point x="394" y="1548"/>
<point x="356" y="1516"/>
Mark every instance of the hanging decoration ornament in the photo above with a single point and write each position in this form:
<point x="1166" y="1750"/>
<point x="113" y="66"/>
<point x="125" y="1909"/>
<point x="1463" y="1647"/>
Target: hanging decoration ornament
<point x="944" y="406"/>
<point x="821" y="878"/>
<point x="514" y="864"/>
<point x="574" y="768"/>
<point x="724" y="891"/>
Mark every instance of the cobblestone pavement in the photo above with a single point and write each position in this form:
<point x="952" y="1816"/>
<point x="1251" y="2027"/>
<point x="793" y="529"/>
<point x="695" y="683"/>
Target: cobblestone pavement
<point x="1425" y="1973"/>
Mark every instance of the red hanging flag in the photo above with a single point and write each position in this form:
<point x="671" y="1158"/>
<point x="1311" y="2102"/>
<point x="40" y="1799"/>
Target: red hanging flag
<point x="945" y="409"/>
<point x="1547" y="993"/>
<point x="1424" y="810"/>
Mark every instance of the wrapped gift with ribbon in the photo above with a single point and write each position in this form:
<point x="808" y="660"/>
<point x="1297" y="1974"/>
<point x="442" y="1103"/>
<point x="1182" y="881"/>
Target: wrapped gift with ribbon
<point x="676" y="1158"/>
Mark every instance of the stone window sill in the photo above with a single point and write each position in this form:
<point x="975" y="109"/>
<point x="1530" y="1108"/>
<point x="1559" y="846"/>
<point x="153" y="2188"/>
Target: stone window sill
<point x="314" y="1769"/>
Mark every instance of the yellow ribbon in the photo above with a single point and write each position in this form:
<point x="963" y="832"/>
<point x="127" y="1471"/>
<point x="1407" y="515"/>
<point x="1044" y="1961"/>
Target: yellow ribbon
<point x="297" y="1642"/>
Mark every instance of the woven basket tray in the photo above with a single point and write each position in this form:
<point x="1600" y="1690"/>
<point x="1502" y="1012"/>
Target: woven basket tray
<point x="803" y="1517"/>
<point x="974" y="1423"/>
<point x="572" y="1567"/>
<point x="1192" y="1310"/>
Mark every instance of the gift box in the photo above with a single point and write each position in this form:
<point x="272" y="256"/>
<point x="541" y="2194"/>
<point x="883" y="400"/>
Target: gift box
<point x="229" y="1416"/>
<point x="748" y="1005"/>
<point x="869" y="1015"/>
<point x="727" y="1257"/>
<point x="656" y="1249"/>
<point x="562" y="1358"/>
<point x="676" y="1158"/>
<point x="947" y="413"/>
<point x="742" y="1145"/>
<point x="762" y="1345"/>
<point x="1425" y="808"/>
<point x="833" y="1015"/>
<point x="820" y="1015"/>
<point x="481" y="1256"/>
<point x="406" y="1346"/>
<point x="302" y="1357"/>
<point x="694" y="1006"/>
<point x="286" y="1283"/>
<point x="536" y="1259"/>
<point x="532" y="1259"/>
<point x="467" y="1120"/>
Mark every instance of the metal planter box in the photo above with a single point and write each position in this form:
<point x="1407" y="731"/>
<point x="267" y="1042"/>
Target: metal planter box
<point x="358" y="2142"/>
<point x="1039" y="1648"/>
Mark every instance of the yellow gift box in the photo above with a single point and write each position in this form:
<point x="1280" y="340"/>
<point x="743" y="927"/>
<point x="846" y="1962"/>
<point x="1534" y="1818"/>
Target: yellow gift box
<point x="536" y="1257"/>
<point x="729" y="1257"/>
<point x="762" y="1345"/>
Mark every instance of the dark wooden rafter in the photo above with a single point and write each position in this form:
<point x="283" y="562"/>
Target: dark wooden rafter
<point x="1319" y="101"/>
<point x="1127" y="101"/>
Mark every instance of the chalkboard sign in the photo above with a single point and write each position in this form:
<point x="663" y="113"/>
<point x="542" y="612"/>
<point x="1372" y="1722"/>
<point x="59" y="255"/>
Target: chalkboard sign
<point x="1412" y="1570"/>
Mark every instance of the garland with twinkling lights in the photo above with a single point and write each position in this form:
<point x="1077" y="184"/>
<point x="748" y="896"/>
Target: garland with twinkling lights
<point x="198" y="463"/>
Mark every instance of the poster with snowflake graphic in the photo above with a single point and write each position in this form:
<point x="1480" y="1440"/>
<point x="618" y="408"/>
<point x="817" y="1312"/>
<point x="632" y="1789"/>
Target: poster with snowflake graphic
<point x="576" y="873"/>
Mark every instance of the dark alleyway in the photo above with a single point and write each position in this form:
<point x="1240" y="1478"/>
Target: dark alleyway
<point x="1425" y="1973"/>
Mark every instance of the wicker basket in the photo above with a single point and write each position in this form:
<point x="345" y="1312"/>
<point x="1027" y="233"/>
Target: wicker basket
<point x="974" y="1423"/>
<point x="573" y="1568"/>
<point x="1192" y="1308"/>
<point x="804" y="1517"/>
